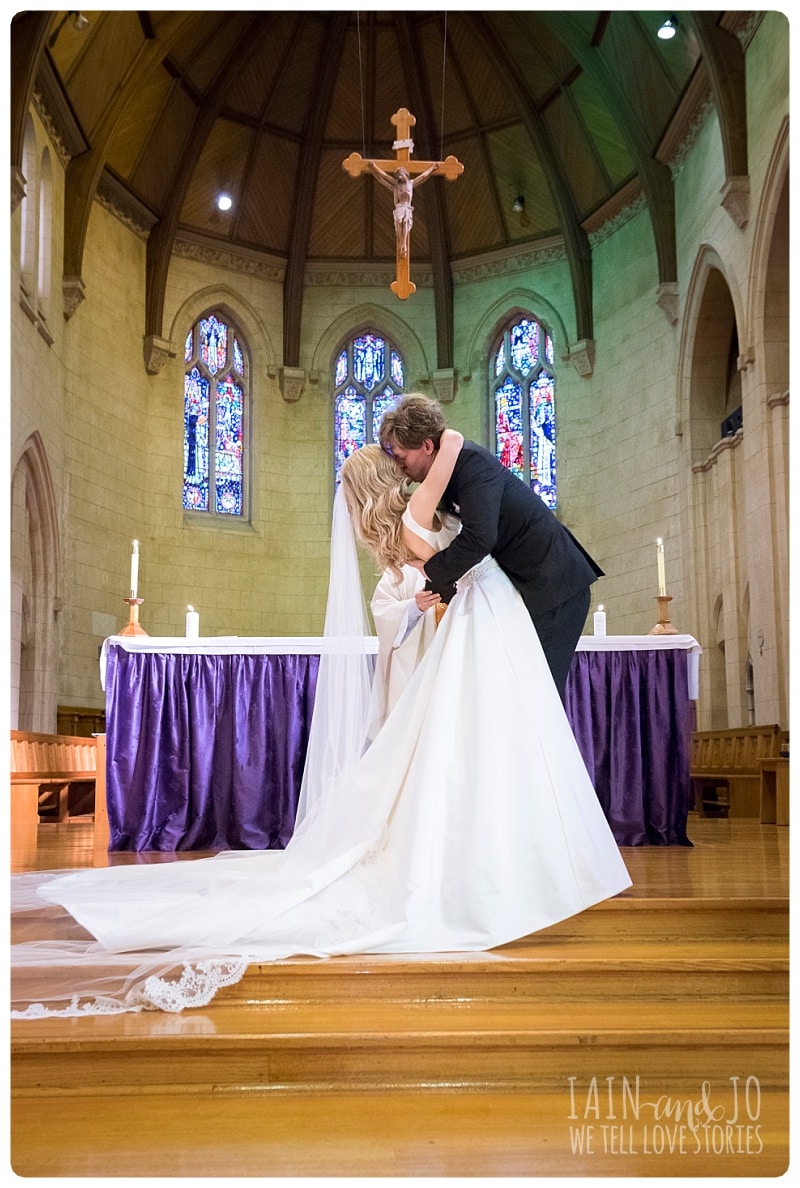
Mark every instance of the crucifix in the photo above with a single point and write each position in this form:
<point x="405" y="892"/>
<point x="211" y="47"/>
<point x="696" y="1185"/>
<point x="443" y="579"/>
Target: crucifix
<point x="401" y="176"/>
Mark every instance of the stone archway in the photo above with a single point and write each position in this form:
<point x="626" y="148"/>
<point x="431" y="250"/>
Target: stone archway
<point x="35" y="575"/>
<point x="766" y="395"/>
<point x="711" y="354"/>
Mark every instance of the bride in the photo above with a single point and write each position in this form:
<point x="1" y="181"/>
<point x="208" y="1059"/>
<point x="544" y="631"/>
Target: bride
<point x="469" y="821"/>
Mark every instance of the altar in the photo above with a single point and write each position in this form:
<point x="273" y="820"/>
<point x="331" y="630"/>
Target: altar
<point x="206" y="738"/>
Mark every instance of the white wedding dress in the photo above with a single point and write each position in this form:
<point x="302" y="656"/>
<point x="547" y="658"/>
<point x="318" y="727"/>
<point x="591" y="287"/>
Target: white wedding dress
<point x="470" y="821"/>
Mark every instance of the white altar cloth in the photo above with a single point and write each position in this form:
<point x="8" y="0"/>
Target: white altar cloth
<point x="318" y="645"/>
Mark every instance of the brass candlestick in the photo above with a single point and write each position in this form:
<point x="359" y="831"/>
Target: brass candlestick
<point x="133" y="627"/>
<point x="663" y="626"/>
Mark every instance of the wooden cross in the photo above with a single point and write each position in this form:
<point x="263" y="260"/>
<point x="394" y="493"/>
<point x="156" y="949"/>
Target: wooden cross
<point x="401" y="176"/>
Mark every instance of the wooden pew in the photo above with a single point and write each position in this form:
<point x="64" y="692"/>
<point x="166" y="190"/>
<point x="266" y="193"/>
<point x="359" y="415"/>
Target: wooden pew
<point x="774" y="797"/>
<point x="43" y="759"/>
<point x="101" y="827"/>
<point x="80" y="721"/>
<point x="726" y="768"/>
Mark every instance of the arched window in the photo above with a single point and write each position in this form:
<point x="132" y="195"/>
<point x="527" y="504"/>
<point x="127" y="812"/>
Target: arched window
<point x="45" y="233"/>
<point x="36" y="238"/>
<point x="368" y="378"/>
<point x="523" y="390"/>
<point x="29" y="216"/>
<point x="215" y="399"/>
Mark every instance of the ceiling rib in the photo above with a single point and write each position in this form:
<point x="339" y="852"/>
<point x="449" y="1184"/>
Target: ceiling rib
<point x="655" y="177"/>
<point x="724" y="58"/>
<point x="576" y="242"/>
<point x="161" y="239"/>
<point x="84" y="172"/>
<point x="305" y="188"/>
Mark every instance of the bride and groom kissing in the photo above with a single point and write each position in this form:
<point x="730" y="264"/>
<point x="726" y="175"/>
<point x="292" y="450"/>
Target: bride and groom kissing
<point x="468" y="821"/>
<point x="502" y="517"/>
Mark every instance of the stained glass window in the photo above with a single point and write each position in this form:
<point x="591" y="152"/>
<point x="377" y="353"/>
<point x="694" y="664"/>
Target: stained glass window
<point x="523" y="391"/>
<point x="368" y="376"/>
<point x="214" y="402"/>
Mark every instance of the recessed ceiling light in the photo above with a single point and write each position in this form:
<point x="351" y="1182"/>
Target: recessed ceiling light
<point x="224" y="202"/>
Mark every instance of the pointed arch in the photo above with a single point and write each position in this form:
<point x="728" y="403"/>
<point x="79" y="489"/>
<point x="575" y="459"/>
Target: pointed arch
<point x="767" y="316"/>
<point x="713" y="311"/>
<point x="516" y="301"/>
<point x="217" y="402"/>
<point x="233" y="305"/>
<point x="361" y="317"/>
<point x="368" y="377"/>
<point x="521" y="382"/>
<point x="35" y="579"/>
<point x="709" y="386"/>
<point x="767" y="382"/>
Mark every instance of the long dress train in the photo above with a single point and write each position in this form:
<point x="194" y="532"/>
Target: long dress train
<point x="470" y="821"/>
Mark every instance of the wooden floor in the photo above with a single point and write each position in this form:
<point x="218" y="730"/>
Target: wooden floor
<point x="646" y="1037"/>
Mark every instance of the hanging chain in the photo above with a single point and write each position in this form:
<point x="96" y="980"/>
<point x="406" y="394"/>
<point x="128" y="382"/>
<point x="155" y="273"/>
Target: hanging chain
<point x="444" y="67"/>
<point x="361" y="84"/>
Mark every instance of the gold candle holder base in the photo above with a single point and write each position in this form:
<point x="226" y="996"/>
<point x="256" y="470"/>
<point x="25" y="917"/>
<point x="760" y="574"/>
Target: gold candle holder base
<point x="133" y="627"/>
<point x="663" y="626"/>
<point x="438" y="611"/>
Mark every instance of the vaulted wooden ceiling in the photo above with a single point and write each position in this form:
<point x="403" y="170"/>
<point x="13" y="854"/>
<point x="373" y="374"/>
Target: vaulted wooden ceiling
<point x="579" y="113"/>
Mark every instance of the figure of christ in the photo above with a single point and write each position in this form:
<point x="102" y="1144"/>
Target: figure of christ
<point x="402" y="187"/>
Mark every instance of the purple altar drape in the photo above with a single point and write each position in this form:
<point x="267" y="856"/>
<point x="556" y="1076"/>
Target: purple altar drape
<point x="205" y="752"/>
<point x="629" y="712"/>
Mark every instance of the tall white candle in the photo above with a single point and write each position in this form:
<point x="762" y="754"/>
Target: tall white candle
<point x="135" y="569"/>
<point x="192" y="623"/>
<point x="600" y="621"/>
<point x="662" y="581"/>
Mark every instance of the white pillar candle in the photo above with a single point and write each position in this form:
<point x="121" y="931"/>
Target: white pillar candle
<point x="662" y="581"/>
<point x="600" y="621"/>
<point x="192" y="623"/>
<point x="135" y="569"/>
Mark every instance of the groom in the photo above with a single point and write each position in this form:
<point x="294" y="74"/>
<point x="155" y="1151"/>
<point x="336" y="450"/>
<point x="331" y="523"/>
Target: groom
<point x="499" y="515"/>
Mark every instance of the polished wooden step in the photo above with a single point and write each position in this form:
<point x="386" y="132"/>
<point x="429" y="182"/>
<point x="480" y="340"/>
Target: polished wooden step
<point x="675" y="917"/>
<point x="394" y="1134"/>
<point x="587" y="971"/>
<point x="381" y="1045"/>
<point x="647" y="1036"/>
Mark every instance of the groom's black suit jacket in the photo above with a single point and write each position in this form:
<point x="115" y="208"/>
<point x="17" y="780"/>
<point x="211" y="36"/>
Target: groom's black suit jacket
<point x="502" y="516"/>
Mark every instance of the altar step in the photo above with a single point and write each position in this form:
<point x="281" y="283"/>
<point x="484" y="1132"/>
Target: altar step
<point x="527" y="1015"/>
<point x="374" y="1046"/>
<point x="622" y="949"/>
<point x="521" y="1061"/>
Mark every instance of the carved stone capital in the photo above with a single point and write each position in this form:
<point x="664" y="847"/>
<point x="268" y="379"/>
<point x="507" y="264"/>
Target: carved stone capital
<point x="736" y="199"/>
<point x="17" y="187"/>
<point x="581" y="356"/>
<point x="668" y="301"/>
<point x="444" y="384"/>
<point x="74" y="292"/>
<point x="157" y="351"/>
<point x="747" y="357"/>
<point x="292" y="381"/>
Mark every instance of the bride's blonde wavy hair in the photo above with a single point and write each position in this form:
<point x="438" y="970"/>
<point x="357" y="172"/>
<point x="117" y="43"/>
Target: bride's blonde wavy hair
<point x="377" y="494"/>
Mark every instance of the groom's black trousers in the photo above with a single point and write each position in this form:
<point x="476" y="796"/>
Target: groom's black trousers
<point x="559" y="630"/>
